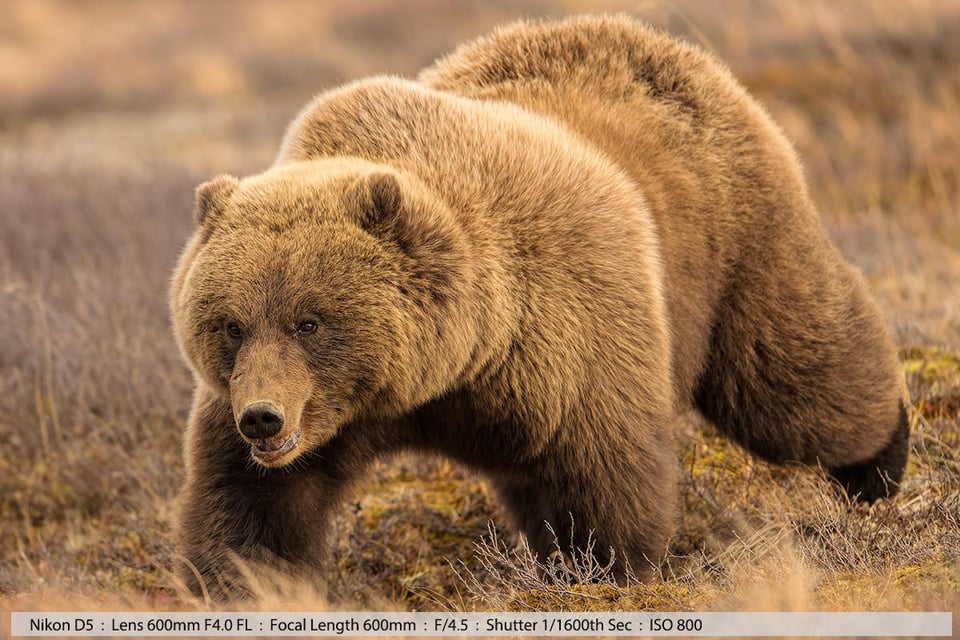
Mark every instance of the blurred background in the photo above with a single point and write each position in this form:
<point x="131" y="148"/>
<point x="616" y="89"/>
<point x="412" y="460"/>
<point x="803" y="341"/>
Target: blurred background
<point x="112" y="111"/>
<point x="868" y="91"/>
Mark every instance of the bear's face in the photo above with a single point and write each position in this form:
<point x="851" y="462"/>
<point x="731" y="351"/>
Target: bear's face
<point x="293" y="296"/>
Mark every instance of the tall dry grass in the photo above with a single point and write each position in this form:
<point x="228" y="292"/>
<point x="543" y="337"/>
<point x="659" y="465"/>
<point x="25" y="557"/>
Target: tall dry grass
<point x="111" y="112"/>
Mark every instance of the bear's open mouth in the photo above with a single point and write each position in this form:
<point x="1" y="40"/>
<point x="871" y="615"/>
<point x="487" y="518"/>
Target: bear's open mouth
<point x="270" y="449"/>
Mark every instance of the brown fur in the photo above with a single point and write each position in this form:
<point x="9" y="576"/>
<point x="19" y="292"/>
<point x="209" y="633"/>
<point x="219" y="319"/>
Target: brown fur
<point x="530" y="261"/>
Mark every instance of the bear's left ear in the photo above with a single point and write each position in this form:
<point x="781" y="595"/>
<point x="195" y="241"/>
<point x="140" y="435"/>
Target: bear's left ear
<point x="212" y="198"/>
<point x="378" y="197"/>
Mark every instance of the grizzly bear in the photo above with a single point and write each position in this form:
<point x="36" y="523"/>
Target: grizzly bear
<point x="530" y="260"/>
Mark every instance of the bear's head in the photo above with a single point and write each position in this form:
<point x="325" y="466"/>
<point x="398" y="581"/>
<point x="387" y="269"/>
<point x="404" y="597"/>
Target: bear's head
<point x="302" y="294"/>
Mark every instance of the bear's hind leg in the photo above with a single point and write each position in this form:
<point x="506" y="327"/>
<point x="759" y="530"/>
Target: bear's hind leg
<point x="880" y="476"/>
<point x="801" y="370"/>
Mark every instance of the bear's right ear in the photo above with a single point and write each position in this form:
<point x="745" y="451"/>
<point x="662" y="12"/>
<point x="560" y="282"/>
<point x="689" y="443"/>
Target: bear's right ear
<point x="212" y="198"/>
<point x="378" y="197"/>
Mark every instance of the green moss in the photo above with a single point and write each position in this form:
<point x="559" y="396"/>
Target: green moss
<point x="907" y="586"/>
<point x="931" y="364"/>
<point x="405" y="528"/>
<point x="850" y="591"/>
<point x="711" y="453"/>
<point x="608" y="597"/>
<point x="939" y="577"/>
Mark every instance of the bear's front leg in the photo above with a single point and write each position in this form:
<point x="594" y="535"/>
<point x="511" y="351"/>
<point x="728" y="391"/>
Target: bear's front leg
<point x="236" y="515"/>
<point x="600" y="488"/>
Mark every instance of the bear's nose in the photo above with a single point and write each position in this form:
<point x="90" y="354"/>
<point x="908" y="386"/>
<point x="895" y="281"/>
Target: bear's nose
<point x="261" y="420"/>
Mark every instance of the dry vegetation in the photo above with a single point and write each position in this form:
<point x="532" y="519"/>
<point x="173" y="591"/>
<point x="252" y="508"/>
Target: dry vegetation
<point x="111" y="112"/>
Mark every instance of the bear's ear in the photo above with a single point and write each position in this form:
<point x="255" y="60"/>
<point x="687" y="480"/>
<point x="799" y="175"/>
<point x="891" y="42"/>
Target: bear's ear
<point x="212" y="198"/>
<point x="378" y="197"/>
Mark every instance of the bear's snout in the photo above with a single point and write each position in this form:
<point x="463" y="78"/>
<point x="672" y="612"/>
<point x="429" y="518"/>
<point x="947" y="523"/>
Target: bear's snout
<point x="261" y="420"/>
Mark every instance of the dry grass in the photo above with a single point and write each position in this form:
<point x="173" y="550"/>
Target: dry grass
<point x="102" y="138"/>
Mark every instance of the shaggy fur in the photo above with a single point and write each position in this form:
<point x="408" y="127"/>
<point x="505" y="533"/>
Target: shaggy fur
<point x="530" y="260"/>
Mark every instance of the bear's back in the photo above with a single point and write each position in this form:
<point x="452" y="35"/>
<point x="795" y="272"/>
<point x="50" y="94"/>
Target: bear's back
<point x="611" y="55"/>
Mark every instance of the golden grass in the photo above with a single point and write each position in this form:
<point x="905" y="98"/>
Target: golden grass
<point x="103" y="138"/>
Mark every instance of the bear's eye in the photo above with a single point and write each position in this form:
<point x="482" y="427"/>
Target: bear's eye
<point x="306" y="327"/>
<point x="234" y="330"/>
